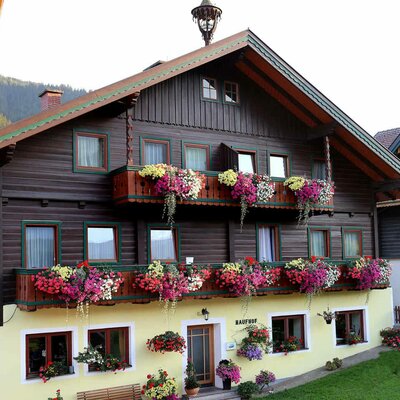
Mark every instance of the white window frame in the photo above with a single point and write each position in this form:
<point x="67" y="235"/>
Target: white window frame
<point x="74" y="350"/>
<point x="307" y="329"/>
<point x="131" y="336"/>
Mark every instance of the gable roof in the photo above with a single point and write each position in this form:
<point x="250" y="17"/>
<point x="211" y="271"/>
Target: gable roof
<point x="259" y="63"/>
<point x="386" y="138"/>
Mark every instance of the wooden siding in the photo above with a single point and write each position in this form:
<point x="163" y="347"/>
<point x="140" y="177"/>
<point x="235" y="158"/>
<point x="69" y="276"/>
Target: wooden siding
<point x="389" y="232"/>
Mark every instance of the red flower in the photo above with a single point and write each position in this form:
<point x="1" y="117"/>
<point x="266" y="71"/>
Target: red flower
<point x="83" y="264"/>
<point x="313" y="259"/>
<point x="148" y="376"/>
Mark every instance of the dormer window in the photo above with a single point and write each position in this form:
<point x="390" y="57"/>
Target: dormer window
<point x="209" y="88"/>
<point x="231" y="92"/>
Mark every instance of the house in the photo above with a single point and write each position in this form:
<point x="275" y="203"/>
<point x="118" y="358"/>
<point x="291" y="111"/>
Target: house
<point x="71" y="191"/>
<point x="389" y="213"/>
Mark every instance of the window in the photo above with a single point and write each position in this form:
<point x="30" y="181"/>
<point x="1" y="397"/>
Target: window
<point x="268" y="243"/>
<point x="41" y="241"/>
<point x="278" y="166"/>
<point x="197" y="157"/>
<point x="319" y="169"/>
<point x="247" y="161"/>
<point x="163" y="244"/>
<point x="91" y="151"/>
<point x="231" y="90"/>
<point x="352" y="242"/>
<point x="155" y="151"/>
<point x="209" y="88"/>
<point x="349" y="327"/>
<point x="102" y="242"/>
<point x="44" y="347"/>
<point x="319" y="241"/>
<point x="287" y="327"/>
<point x="114" y="341"/>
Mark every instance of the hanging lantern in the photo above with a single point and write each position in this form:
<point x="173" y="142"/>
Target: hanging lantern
<point x="207" y="16"/>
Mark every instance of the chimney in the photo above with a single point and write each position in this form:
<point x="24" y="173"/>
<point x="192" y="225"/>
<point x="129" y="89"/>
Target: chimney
<point x="50" y="98"/>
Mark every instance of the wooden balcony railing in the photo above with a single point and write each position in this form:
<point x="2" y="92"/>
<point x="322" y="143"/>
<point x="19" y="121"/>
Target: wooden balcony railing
<point x="31" y="299"/>
<point x="130" y="187"/>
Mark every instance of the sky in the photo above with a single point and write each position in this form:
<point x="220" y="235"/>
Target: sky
<point x="348" y="49"/>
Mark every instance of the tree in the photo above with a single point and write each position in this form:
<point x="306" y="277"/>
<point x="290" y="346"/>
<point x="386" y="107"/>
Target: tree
<point x="4" y="121"/>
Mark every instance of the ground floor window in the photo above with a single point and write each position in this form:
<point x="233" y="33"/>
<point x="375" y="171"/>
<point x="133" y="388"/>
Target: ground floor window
<point x="349" y="327"/>
<point x="288" y="333"/>
<point x="43" y="348"/>
<point x="110" y="341"/>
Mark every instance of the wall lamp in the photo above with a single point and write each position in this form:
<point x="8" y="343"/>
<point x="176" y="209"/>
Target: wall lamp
<point x="205" y="313"/>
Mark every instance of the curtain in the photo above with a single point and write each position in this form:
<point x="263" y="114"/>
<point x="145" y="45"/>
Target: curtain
<point x="318" y="243"/>
<point x="90" y="151"/>
<point x="277" y="166"/>
<point x="196" y="158"/>
<point x="155" y="153"/>
<point x="101" y="244"/>
<point x="319" y="169"/>
<point x="246" y="163"/>
<point x="40" y="246"/>
<point x="352" y="244"/>
<point x="162" y="245"/>
<point x="266" y="243"/>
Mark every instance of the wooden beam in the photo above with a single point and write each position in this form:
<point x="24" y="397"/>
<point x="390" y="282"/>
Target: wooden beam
<point x="322" y="130"/>
<point x="328" y="164"/>
<point x="392" y="184"/>
<point x="231" y="240"/>
<point x="7" y="154"/>
<point x="141" y="242"/>
<point x="376" y="232"/>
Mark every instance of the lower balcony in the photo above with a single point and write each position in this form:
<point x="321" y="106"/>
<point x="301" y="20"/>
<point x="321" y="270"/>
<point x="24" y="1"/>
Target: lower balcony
<point x="28" y="298"/>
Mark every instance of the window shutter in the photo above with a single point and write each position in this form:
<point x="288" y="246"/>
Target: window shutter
<point x="229" y="158"/>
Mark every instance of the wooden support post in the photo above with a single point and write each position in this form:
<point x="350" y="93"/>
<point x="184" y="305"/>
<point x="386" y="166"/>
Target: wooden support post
<point x="129" y="137"/>
<point x="231" y="240"/>
<point x="141" y="242"/>
<point x="327" y="151"/>
<point x="376" y="232"/>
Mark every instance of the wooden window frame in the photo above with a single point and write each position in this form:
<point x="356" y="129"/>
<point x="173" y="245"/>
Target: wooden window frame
<point x="236" y="85"/>
<point x="199" y="146"/>
<point x="347" y="314"/>
<point x="107" y="341"/>
<point x="360" y="240"/>
<point x="287" y="165"/>
<point x="176" y="243"/>
<point x="277" y="240"/>
<point x="327" y="239"/>
<point x="49" y="354"/>
<point x="252" y="153"/>
<point x="202" y="89"/>
<point x="81" y="168"/>
<point x="159" y="141"/>
<point x="286" y="319"/>
<point x="57" y="239"/>
<point x="117" y="241"/>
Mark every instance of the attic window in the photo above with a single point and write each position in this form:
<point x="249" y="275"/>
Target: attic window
<point x="231" y="92"/>
<point x="91" y="152"/>
<point x="209" y="88"/>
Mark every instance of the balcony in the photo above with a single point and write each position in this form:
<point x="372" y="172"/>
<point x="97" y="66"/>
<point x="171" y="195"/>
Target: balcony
<point x="30" y="299"/>
<point x="130" y="187"/>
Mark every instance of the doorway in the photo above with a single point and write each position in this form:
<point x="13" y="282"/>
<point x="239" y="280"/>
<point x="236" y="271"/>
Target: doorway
<point x="200" y="339"/>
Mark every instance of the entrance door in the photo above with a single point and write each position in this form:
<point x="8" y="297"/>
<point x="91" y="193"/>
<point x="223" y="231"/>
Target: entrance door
<point x="201" y="352"/>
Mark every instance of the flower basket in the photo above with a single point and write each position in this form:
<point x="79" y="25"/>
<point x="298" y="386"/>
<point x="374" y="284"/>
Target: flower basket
<point x="173" y="183"/>
<point x="167" y="342"/>
<point x="292" y="343"/>
<point x="309" y="192"/>
<point x="160" y="386"/>
<point x="248" y="189"/>
<point x="255" y="344"/>
<point x="327" y="315"/>
<point x="369" y="272"/>
<point x="228" y="371"/>
<point x="51" y="370"/>
<point x="82" y="284"/>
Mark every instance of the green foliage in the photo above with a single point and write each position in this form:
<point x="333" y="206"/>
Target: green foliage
<point x="19" y="99"/>
<point x="247" y="389"/>
<point x="334" y="364"/>
<point x="191" y="380"/>
<point x="370" y="380"/>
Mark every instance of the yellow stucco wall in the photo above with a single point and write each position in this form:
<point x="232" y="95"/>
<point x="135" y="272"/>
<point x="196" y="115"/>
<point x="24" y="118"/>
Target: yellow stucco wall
<point x="149" y="320"/>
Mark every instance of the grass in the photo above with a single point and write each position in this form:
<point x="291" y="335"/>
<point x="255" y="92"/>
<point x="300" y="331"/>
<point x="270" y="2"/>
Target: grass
<point x="377" y="379"/>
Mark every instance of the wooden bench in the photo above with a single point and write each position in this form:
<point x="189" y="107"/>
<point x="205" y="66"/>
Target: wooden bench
<point x="126" y="392"/>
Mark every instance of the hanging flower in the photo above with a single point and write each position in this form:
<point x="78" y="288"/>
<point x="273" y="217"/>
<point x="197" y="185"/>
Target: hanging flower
<point x="167" y="342"/>
<point x="255" y="344"/>
<point x="370" y="272"/>
<point x="173" y="183"/>
<point x="309" y="192"/>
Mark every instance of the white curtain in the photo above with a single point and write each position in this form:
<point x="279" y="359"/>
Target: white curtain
<point x="277" y="166"/>
<point x="155" y="153"/>
<point x="246" y="163"/>
<point x="266" y="243"/>
<point x="90" y="151"/>
<point x="196" y="158"/>
<point x="318" y="243"/>
<point x="162" y="245"/>
<point x="352" y="244"/>
<point x="319" y="169"/>
<point x="40" y="243"/>
<point x="101" y="244"/>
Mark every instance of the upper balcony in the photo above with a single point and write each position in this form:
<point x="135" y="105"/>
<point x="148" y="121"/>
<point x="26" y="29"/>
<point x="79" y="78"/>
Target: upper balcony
<point x="130" y="187"/>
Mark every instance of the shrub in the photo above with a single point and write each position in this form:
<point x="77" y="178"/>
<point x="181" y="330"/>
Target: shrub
<point x="391" y="337"/>
<point x="334" y="364"/>
<point x="247" y="389"/>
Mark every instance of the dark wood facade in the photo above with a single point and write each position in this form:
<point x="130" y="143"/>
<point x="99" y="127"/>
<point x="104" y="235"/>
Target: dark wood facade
<point x="40" y="184"/>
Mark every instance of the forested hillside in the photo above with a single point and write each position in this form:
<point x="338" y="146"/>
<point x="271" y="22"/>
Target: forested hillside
<point x="19" y="99"/>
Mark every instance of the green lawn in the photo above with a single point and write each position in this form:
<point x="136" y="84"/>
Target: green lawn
<point x="376" y="379"/>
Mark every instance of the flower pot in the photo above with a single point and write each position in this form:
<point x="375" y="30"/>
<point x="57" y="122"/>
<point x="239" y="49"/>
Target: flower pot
<point x="192" y="392"/>
<point x="328" y="321"/>
<point x="227" y="384"/>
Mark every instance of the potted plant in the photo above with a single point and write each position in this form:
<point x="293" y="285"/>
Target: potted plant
<point x="327" y="315"/>
<point x="247" y="389"/>
<point x="264" y="378"/>
<point x="353" y="338"/>
<point x="167" y="342"/>
<point x="160" y="387"/>
<point x="58" y="396"/>
<point x="228" y="371"/>
<point x="192" y="387"/>
<point x="51" y="370"/>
